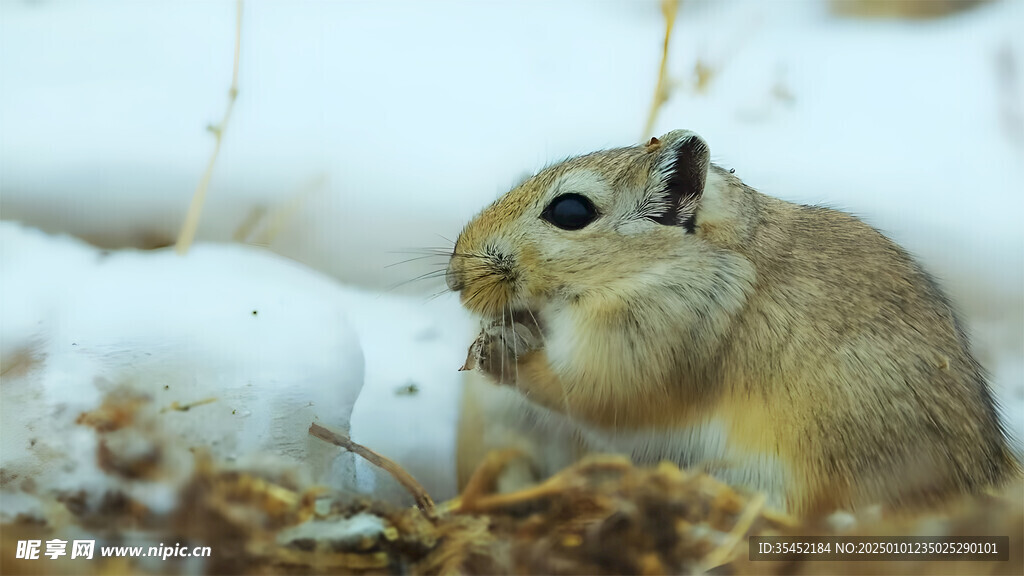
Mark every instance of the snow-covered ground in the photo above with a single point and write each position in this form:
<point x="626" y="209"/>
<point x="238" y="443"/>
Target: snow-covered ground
<point x="239" y="348"/>
<point x="373" y="128"/>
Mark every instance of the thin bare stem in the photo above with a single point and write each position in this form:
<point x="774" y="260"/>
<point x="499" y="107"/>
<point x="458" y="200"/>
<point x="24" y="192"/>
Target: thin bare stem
<point x="661" y="91"/>
<point x="264" y="225"/>
<point x="725" y="551"/>
<point x="195" y="209"/>
<point x="419" y="494"/>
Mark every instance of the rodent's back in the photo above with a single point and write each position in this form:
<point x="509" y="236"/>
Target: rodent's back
<point x="860" y="359"/>
<point x="681" y="315"/>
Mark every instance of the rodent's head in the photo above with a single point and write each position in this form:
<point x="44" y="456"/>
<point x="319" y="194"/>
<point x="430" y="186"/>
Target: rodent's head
<point x="581" y="226"/>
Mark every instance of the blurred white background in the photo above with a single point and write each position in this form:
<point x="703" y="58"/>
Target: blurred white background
<point x="416" y="114"/>
<point x="371" y="128"/>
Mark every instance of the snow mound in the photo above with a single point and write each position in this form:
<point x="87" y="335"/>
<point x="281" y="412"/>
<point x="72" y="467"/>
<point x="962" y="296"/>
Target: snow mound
<point x="240" y="349"/>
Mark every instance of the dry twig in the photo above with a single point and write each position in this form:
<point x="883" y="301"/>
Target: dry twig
<point x="724" y="553"/>
<point x="263" y="225"/>
<point x="188" y="406"/>
<point x="661" y="91"/>
<point x="195" y="209"/>
<point x="423" y="500"/>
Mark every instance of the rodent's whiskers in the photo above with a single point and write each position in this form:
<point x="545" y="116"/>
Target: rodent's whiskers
<point x="502" y="348"/>
<point x="472" y="296"/>
<point x="544" y="342"/>
<point x="424" y="253"/>
<point x="445" y="238"/>
<point x="543" y="338"/>
<point x="422" y="250"/>
<point x="468" y="255"/>
<point x="483" y="275"/>
<point x="412" y="260"/>
<point x="437" y="294"/>
<point x="426" y="276"/>
<point x="476" y="295"/>
<point x="420" y="253"/>
<point x="515" y="349"/>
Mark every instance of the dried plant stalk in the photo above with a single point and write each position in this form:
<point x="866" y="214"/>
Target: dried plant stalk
<point x="195" y="209"/>
<point x="725" y="552"/>
<point x="661" y="91"/>
<point x="908" y="9"/>
<point x="263" y="225"/>
<point x="423" y="500"/>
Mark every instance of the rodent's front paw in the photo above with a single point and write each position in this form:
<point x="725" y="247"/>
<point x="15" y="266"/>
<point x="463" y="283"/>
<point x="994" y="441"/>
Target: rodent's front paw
<point x="499" y="347"/>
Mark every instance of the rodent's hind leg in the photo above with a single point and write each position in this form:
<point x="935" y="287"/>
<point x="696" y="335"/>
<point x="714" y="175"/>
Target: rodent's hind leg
<point x="519" y="473"/>
<point x="501" y="472"/>
<point x="498" y="419"/>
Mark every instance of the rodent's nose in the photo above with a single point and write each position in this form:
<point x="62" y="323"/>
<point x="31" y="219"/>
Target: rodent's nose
<point x="451" y="278"/>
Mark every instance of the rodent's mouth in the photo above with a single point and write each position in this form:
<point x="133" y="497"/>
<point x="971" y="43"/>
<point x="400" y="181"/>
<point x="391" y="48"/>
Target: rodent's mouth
<point x="527" y="317"/>
<point x="524" y="316"/>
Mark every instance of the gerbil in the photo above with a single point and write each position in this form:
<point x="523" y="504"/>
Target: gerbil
<point x="668" y="311"/>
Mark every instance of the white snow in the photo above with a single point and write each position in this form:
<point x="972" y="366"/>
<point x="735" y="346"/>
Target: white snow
<point x="275" y="345"/>
<point x="257" y="346"/>
<point x="416" y="115"/>
<point x="344" y="532"/>
<point x="409" y="407"/>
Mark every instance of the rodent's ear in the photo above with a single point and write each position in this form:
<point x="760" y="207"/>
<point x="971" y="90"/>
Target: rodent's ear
<point x="678" y="176"/>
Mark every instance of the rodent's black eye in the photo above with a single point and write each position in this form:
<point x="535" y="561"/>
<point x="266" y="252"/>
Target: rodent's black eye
<point x="570" y="212"/>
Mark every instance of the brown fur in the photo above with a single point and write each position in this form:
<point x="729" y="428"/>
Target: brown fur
<point x="816" y="347"/>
